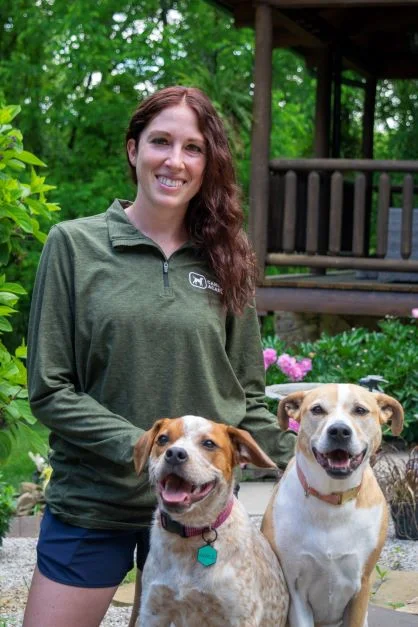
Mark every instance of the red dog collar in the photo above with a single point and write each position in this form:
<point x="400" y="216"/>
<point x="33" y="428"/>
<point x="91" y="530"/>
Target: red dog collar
<point x="173" y="526"/>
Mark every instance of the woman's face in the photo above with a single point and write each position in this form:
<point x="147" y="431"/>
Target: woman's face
<point x="169" y="160"/>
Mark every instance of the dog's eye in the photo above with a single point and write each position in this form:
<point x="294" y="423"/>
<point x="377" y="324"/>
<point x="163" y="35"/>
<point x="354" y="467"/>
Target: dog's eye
<point x="317" y="410"/>
<point x="360" y="410"/>
<point x="209" y="444"/>
<point x="162" y="439"/>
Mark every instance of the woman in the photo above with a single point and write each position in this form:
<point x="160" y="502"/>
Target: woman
<point x="141" y="312"/>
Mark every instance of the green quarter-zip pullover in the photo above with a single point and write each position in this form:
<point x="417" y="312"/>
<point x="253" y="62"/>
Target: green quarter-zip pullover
<point x="120" y="336"/>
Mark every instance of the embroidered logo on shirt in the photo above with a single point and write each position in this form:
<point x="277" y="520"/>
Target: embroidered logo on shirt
<point x="202" y="283"/>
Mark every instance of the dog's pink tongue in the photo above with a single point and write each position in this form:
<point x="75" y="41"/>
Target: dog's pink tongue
<point x="175" y="490"/>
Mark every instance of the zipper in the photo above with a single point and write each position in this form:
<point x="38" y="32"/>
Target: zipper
<point x="165" y="274"/>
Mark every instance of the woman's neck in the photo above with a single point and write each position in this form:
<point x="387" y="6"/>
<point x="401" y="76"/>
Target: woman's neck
<point x="167" y="229"/>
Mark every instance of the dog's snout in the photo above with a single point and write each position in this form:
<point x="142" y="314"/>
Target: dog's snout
<point x="176" y="455"/>
<point x="339" y="432"/>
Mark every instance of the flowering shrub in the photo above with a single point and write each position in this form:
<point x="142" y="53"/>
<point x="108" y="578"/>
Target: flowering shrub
<point x="391" y="352"/>
<point x="283" y="367"/>
<point x="295" y="369"/>
<point x="270" y="357"/>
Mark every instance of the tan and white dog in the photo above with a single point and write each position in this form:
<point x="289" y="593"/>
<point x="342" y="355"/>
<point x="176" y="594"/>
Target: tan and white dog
<point x="327" y="519"/>
<point x="208" y="565"/>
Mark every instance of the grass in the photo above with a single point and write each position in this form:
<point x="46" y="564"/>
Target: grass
<point x="19" y="467"/>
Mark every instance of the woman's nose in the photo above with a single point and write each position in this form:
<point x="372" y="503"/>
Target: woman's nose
<point x="175" y="157"/>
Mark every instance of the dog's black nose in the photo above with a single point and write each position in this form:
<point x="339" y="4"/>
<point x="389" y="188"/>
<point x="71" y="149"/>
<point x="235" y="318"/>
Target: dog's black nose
<point x="339" y="432"/>
<point x="176" y="455"/>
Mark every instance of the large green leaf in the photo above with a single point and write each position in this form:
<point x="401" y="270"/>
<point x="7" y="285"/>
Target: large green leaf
<point x="7" y="114"/>
<point x="28" y="157"/>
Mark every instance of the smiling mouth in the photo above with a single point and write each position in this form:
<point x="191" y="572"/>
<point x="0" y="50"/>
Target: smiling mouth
<point x="168" y="182"/>
<point x="339" y="463"/>
<point x="177" y="492"/>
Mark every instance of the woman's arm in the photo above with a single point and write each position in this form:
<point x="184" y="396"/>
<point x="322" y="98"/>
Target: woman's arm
<point x="54" y="391"/>
<point x="245" y="353"/>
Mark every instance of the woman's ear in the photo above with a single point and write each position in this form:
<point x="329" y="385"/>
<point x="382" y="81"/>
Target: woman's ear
<point x="289" y="407"/>
<point x="131" y="149"/>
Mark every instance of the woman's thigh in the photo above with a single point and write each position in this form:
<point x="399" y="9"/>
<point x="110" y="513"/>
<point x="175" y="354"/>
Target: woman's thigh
<point x="52" y="604"/>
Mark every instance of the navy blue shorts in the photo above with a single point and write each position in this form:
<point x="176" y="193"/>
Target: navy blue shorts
<point x="88" y="558"/>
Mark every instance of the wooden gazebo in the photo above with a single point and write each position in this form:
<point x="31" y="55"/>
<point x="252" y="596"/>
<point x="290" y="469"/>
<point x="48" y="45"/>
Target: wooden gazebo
<point x="348" y="224"/>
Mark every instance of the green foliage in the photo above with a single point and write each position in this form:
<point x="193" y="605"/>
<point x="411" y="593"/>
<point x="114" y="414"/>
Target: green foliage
<point x="391" y="352"/>
<point x="6" y="507"/>
<point x="19" y="466"/>
<point x="23" y="205"/>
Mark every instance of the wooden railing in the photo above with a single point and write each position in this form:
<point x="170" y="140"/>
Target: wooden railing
<point x="321" y="211"/>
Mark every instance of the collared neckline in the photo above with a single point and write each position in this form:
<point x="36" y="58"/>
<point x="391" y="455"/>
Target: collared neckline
<point x="122" y="233"/>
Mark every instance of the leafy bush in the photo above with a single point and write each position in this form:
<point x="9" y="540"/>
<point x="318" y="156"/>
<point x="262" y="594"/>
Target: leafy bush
<point x="6" y="507"/>
<point x="23" y="205"/>
<point x="391" y="352"/>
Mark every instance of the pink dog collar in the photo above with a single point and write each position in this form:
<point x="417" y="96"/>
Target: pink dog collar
<point x="335" y="498"/>
<point x="173" y="526"/>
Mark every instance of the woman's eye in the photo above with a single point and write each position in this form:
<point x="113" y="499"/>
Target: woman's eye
<point x="159" y="140"/>
<point x="194" y="148"/>
<point x="162" y="439"/>
<point x="209" y="444"/>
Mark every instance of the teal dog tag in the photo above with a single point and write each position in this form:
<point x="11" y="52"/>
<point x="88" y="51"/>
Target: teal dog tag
<point x="207" y="555"/>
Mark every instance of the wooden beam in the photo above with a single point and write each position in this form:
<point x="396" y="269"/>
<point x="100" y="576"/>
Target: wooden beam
<point x="331" y="4"/>
<point x="334" y="301"/>
<point x="260" y="144"/>
<point x="344" y="165"/>
<point x="342" y="263"/>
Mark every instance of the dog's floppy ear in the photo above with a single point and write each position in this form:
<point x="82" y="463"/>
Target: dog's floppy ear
<point x="247" y="450"/>
<point x="289" y="407"/>
<point x="390" y="411"/>
<point x="144" y="445"/>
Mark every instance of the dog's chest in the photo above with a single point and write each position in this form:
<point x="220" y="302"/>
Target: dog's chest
<point x="190" y="606"/>
<point x="324" y="548"/>
<point x="328" y="581"/>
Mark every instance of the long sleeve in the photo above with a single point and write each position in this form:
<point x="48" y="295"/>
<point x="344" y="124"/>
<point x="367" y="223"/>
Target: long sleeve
<point x="56" y="393"/>
<point x="245" y="354"/>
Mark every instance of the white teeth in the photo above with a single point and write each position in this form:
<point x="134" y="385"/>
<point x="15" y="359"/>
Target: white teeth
<point x="170" y="182"/>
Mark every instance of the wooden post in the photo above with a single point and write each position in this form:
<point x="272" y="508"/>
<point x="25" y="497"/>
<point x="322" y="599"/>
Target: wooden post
<point x="368" y="118"/>
<point x="322" y="143"/>
<point x="336" y="112"/>
<point x="260" y="142"/>
<point x="323" y="105"/>
<point x="367" y="149"/>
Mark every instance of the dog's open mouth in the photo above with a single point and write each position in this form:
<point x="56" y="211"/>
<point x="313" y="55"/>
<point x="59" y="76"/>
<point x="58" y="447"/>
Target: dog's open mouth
<point x="339" y="463"/>
<point x="176" y="491"/>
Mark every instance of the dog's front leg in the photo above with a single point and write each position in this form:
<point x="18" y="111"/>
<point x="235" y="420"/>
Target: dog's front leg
<point x="356" y="612"/>
<point x="300" y="613"/>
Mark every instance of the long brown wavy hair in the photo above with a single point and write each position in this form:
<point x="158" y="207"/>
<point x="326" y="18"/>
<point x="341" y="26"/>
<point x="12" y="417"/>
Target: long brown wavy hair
<point x="214" y="217"/>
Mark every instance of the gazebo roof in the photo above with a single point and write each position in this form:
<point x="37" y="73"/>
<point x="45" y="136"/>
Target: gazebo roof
<point x="376" y="37"/>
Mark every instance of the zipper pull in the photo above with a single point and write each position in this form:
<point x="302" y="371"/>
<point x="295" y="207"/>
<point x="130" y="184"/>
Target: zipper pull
<point x="165" y="267"/>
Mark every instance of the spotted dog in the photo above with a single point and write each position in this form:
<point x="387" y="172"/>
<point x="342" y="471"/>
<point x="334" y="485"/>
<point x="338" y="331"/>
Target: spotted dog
<point x="209" y="565"/>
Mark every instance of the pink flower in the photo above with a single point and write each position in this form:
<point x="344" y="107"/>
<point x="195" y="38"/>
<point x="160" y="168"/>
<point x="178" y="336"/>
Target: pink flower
<point x="293" y="425"/>
<point x="294" y="369"/>
<point x="415" y="313"/>
<point x="270" y="357"/>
